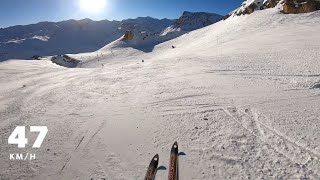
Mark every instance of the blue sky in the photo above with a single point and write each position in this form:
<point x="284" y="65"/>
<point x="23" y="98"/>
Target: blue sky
<point x="20" y="12"/>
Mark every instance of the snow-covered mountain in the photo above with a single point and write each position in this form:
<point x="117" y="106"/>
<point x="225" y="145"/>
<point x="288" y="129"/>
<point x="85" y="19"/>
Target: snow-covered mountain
<point x="145" y="40"/>
<point x="191" y="21"/>
<point x="76" y="36"/>
<point x="72" y="36"/>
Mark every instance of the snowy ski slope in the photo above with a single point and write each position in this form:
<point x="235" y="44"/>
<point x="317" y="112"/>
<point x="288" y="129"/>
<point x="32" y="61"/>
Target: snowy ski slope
<point x="241" y="97"/>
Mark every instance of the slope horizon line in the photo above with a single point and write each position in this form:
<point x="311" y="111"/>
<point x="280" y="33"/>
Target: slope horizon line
<point x="88" y="19"/>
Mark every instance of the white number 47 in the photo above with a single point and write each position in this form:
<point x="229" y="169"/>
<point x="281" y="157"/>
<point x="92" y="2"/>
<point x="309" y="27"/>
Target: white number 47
<point x="18" y="136"/>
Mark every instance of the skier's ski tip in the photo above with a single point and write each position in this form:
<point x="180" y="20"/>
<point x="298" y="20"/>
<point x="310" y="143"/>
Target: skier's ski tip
<point x="174" y="168"/>
<point x="175" y="146"/>
<point x="152" y="169"/>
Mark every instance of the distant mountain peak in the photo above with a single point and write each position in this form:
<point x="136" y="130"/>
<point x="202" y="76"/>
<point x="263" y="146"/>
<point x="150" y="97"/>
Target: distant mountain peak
<point x="186" y="12"/>
<point x="198" y="13"/>
<point x="194" y="20"/>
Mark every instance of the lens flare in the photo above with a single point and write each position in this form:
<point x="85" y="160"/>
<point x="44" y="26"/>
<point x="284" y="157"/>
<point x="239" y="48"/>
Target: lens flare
<point x="93" y="6"/>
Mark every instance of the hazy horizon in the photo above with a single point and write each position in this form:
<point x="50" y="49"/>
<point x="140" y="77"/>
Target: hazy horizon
<point x="107" y="19"/>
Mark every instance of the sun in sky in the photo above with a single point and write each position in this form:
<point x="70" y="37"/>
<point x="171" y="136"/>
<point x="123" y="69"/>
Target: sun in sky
<point x="93" y="6"/>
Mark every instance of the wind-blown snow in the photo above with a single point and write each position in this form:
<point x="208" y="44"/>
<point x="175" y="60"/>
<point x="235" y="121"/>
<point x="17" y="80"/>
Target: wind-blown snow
<point x="239" y="96"/>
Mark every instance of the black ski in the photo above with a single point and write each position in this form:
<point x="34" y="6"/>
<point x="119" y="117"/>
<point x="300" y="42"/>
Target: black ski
<point x="152" y="169"/>
<point x="174" y="163"/>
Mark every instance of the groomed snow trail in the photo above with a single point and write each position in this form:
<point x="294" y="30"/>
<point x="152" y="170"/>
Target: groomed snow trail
<point x="240" y="97"/>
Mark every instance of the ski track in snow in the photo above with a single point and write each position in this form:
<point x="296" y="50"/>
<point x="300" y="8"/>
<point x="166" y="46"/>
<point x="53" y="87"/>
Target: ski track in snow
<point x="239" y="105"/>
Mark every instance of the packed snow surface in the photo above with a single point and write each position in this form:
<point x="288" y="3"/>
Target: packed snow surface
<point x="241" y="97"/>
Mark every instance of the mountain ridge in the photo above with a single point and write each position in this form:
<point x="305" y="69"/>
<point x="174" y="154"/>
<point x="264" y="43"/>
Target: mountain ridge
<point x="73" y="36"/>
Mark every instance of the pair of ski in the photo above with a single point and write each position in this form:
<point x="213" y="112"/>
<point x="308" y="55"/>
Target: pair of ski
<point x="173" y="167"/>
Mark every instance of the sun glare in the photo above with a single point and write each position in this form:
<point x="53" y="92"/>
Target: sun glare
<point x="93" y="6"/>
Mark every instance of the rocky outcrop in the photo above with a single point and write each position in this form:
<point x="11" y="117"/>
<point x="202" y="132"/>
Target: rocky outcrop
<point x="270" y="4"/>
<point x="250" y="9"/>
<point x="128" y="36"/>
<point x="300" y="6"/>
<point x="287" y="6"/>
<point x="65" y="60"/>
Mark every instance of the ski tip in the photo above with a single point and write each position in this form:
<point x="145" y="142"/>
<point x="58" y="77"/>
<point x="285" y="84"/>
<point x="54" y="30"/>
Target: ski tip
<point x="174" y="147"/>
<point x="175" y="144"/>
<point x="152" y="169"/>
<point x="156" y="158"/>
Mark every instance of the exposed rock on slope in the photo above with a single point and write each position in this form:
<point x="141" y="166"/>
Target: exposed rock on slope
<point x="287" y="6"/>
<point x="300" y="6"/>
<point x="128" y="36"/>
